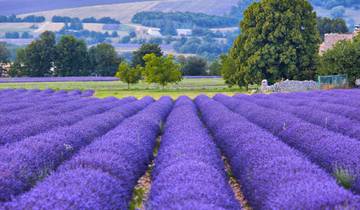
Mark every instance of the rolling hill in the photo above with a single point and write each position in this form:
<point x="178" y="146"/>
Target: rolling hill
<point x="9" y="7"/>
<point x="124" y="11"/>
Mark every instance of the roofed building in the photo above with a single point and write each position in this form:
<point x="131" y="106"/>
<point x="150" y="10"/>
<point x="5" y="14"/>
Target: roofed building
<point x="331" y="39"/>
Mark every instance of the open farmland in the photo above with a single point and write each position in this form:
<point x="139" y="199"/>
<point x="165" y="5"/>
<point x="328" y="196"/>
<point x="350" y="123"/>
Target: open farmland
<point x="125" y="11"/>
<point x="109" y="87"/>
<point x="69" y="150"/>
<point x="26" y="6"/>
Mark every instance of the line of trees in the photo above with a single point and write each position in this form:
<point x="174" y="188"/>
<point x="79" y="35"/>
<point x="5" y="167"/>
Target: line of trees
<point x="199" y="66"/>
<point x="67" y="19"/>
<point x="71" y="57"/>
<point x="18" y="35"/>
<point x="4" y="57"/>
<point x="27" y="19"/>
<point x="67" y="57"/>
<point x="327" y="25"/>
<point x="175" y="20"/>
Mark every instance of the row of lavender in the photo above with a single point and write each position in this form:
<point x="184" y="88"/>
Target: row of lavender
<point x="95" y="160"/>
<point x="16" y="93"/>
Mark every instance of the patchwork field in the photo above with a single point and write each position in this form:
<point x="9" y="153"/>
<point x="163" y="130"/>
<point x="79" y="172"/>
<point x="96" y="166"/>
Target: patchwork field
<point x="125" y="11"/>
<point x="69" y="150"/>
<point x="26" y="6"/>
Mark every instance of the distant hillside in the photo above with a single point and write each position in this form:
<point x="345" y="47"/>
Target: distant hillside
<point x="9" y="7"/>
<point x="125" y="11"/>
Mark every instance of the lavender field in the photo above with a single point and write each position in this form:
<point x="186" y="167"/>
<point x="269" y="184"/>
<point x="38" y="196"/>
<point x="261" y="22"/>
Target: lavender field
<point x="70" y="150"/>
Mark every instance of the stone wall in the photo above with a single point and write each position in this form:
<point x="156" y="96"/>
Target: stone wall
<point x="289" y="86"/>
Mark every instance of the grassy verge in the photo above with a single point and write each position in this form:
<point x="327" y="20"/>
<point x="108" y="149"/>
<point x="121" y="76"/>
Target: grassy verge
<point x="189" y="87"/>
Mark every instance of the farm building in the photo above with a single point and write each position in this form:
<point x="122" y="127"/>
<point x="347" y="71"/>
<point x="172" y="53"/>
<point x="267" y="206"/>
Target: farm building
<point x="331" y="39"/>
<point x="184" y="32"/>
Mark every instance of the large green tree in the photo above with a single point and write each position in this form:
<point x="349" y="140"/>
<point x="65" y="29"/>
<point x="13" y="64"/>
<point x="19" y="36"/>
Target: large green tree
<point x="4" y="57"/>
<point x="161" y="70"/>
<point x="279" y="40"/>
<point x="344" y="58"/>
<point x="71" y="57"/>
<point x="103" y="60"/>
<point x="215" y="68"/>
<point x="138" y="55"/>
<point x="194" y="66"/>
<point x="19" y="67"/>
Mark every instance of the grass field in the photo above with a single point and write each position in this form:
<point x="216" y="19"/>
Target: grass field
<point x="189" y="87"/>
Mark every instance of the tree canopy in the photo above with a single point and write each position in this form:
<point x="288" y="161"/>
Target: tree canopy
<point x="138" y="55"/>
<point x="182" y="20"/>
<point x="161" y="70"/>
<point x="103" y="60"/>
<point x="194" y="66"/>
<point x="38" y="57"/>
<point x="71" y="57"/>
<point x="27" y="19"/>
<point x="328" y="25"/>
<point x="128" y="74"/>
<point x="215" y="68"/>
<point x="279" y="40"/>
<point x="4" y="56"/>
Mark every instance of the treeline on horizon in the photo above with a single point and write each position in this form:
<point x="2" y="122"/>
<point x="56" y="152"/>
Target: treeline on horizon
<point x="71" y="57"/>
<point x="66" y="57"/>
<point x="186" y="20"/>
<point x="27" y="19"/>
<point x="66" y="19"/>
<point x="56" y="19"/>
